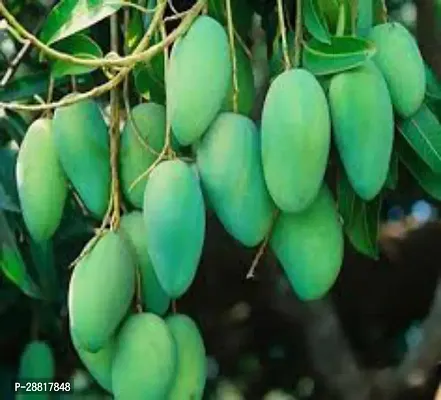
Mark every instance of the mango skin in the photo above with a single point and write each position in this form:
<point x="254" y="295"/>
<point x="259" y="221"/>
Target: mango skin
<point x="309" y="246"/>
<point x="41" y="183"/>
<point x="145" y="359"/>
<point x="98" y="364"/>
<point x="100" y="291"/>
<point x="196" y="86"/>
<point x="230" y="167"/>
<point x="83" y="147"/>
<point x="399" y="59"/>
<point x="191" y="370"/>
<point x="174" y="210"/>
<point x="135" y="157"/>
<point x="153" y="295"/>
<point x="364" y="143"/>
<point x="36" y="362"/>
<point x="296" y="137"/>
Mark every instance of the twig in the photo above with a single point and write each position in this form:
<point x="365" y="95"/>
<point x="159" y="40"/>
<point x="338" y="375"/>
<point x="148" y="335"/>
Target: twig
<point x="15" y="63"/>
<point x="232" y="54"/>
<point x="298" y="34"/>
<point x="280" y="13"/>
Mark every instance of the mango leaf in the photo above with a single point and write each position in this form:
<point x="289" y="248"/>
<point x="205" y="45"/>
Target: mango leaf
<point x="11" y="261"/>
<point x="72" y="16"/>
<point x="151" y="4"/>
<point x="315" y="21"/>
<point x="365" y="16"/>
<point x="6" y="202"/>
<point x="423" y="133"/>
<point x="277" y="61"/>
<point x="360" y="218"/>
<point x="433" y="86"/>
<point x="392" y="176"/>
<point x="80" y="46"/>
<point x="344" y="53"/>
<point x="14" y="125"/>
<point x="135" y="31"/>
<point x="428" y="180"/>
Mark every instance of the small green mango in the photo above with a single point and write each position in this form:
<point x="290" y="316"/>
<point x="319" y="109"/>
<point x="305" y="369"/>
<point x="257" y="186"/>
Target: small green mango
<point x="154" y="298"/>
<point x="245" y="82"/>
<point x="309" y="246"/>
<point x="36" y="363"/>
<point x="196" y="86"/>
<point x="137" y="143"/>
<point x="101" y="290"/>
<point x="399" y="59"/>
<point x="191" y="370"/>
<point x="363" y="141"/>
<point x="145" y="359"/>
<point x="230" y="167"/>
<point x="296" y="137"/>
<point x="98" y="364"/>
<point x="82" y="143"/>
<point x="174" y="210"/>
<point x="41" y="183"/>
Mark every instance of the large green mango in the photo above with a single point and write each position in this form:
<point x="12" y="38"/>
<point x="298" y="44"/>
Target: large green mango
<point x="145" y="359"/>
<point x="41" y="183"/>
<point x="135" y="154"/>
<point x="230" y="167"/>
<point x="296" y="137"/>
<point x="154" y="298"/>
<point x="198" y="79"/>
<point x="363" y="121"/>
<point x="82" y="142"/>
<point x="98" y="364"/>
<point x="174" y="211"/>
<point x="399" y="59"/>
<point x="245" y="82"/>
<point x="101" y="290"/>
<point x="36" y="363"/>
<point x="309" y="246"/>
<point x="191" y="370"/>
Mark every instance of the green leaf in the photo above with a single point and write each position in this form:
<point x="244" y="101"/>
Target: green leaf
<point x="72" y="16"/>
<point x="423" y="132"/>
<point x="135" y="31"/>
<point x="11" y="261"/>
<point x="365" y="16"/>
<point x="392" y="176"/>
<point x="80" y="46"/>
<point x="315" y="21"/>
<point x="6" y="202"/>
<point x="8" y="160"/>
<point x="13" y="123"/>
<point x="344" y="53"/>
<point x="342" y="20"/>
<point x="433" y="86"/>
<point x="277" y="61"/>
<point x="428" y="180"/>
<point x="360" y="218"/>
<point x="151" y="4"/>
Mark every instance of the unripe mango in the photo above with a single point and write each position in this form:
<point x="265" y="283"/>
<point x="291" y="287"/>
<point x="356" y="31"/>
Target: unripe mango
<point x="41" y="183"/>
<point x="140" y="147"/>
<point x="82" y="143"/>
<point x="399" y="59"/>
<point x="174" y="211"/>
<point x="145" y="359"/>
<point x="154" y="298"/>
<point x="36" y="363"/>
<point x="229" y="163"/>
<point x="196" y="85"/>
<point x="191" y="370"/>
<point x="309" y="246"/>
<point x="363" y="121"/>
<point x="101" y="290"/>
<point x="296" y="137"/>
<point x="99" y="364"/>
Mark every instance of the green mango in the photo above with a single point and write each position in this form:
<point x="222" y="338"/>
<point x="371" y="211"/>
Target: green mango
<point x="363" y="122"/>
<point x="101" y="290"/>
<point x="198" y="79"/>
<point x="135" y="157"/>
<point x="399" y="59"/>
<point x="145" y="359"/>
<point x="41" y="183"/>
<point x="37" y="364"/>
<point x="191" y="370"/>
<point x="296" y="138"/>
<point x="83" y="147"/>
<point x="245" y="82"/>
<point x="99" y="364"/>
<point x="230" y="167"/>
<point x="309" y="246"/>
<point x="154" y="298"/>
<point x="174" y="210"/>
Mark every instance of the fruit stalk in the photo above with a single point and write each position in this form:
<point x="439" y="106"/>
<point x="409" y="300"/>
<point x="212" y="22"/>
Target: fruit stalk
<point x="282" y="27"/>
<point x="298" y="34"/>
<point x="233" y="54"/>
